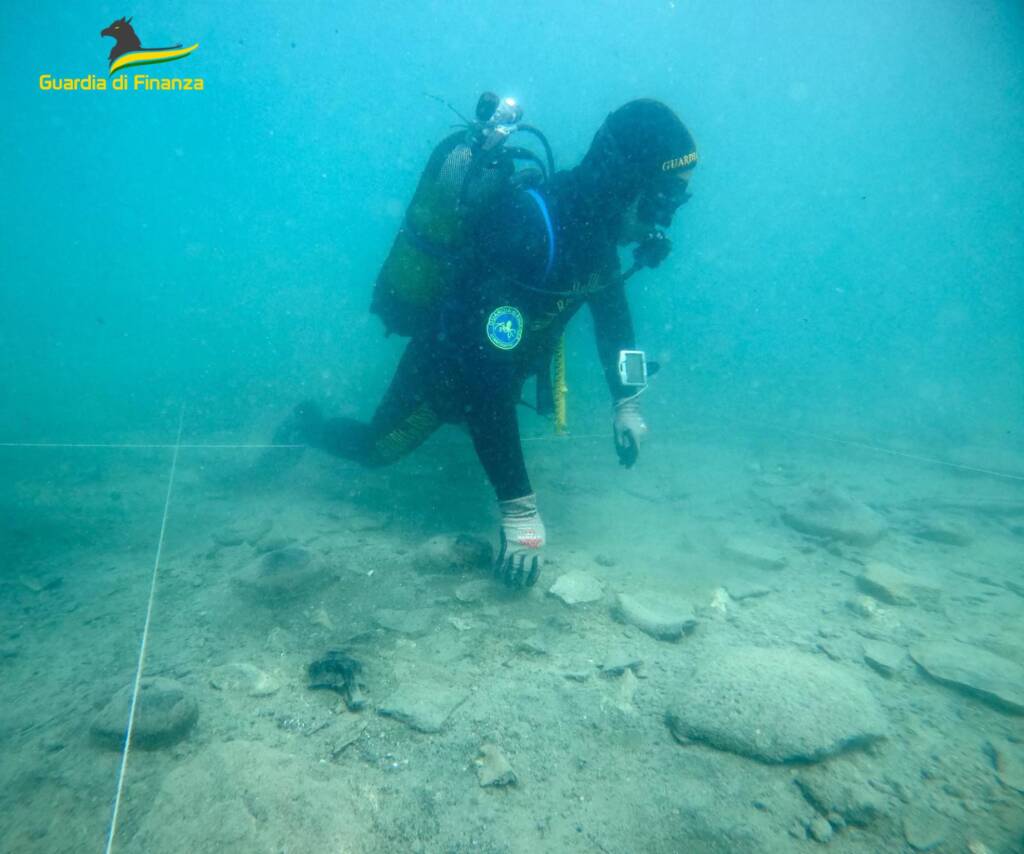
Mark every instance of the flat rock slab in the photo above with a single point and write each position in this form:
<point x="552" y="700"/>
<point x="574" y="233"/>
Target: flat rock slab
<point x="282" y="575"/>
<point x="618" y="661"/>
<point x="882" y="657"/>
<point x="974" y="671"/>
<point x="273" y="544"/>
<point x="577" y="587"/>
<point x="471" y="592"/>
<point x="658" y="616"/>
<point x="893" y="586"/>
<point x="164" y="714"/>
<point x="414" y="623"/>
<point x="838" y="787"/>
<point x="753" y="553"/>
<point x="242" y="678"/>
<point x="742" y="588"/>
<point x="423" y="707"/>
<point x="346" y="732"/>
<point x="924" y="829"/>
<point x="251" y="534"/>
<point x="941" y="531"/>
<point x="775" y="705"/>
<point x="1008" y="759"/>
<point x="833" y="515"/>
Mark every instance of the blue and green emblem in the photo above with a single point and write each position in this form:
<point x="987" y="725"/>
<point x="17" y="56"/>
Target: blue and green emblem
<point x="505" y="327"/>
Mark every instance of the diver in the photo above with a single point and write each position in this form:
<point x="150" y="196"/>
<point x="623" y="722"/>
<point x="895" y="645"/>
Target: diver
<point x="504" y="275"/>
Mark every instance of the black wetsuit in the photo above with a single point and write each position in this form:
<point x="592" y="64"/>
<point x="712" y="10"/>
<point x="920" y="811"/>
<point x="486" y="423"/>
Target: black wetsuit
<point x="457" y="373"/>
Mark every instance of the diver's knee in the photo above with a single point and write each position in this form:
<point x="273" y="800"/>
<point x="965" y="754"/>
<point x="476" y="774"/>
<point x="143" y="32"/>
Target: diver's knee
<point x="381" y="454"/>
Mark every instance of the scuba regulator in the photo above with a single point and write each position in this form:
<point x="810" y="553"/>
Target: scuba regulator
<point x="496" y="120"/>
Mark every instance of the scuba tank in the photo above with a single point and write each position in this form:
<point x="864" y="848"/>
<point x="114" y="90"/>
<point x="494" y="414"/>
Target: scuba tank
<point x="465" y="172"/>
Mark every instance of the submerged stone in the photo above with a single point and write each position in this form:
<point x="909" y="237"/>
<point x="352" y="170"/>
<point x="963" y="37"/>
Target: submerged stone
<point x="947" y="533"/>
<point x="340" y="672"/>
<point x="493" y="768"/>
<point x="471" y="592"/>
<point x="775" y="705"/>
<point x="974" y="671"/>
<point x="742" y="588"/>
<point x="577" y="587"/>
<point x="754" y="553"/>
<point x="924" y="829"/>
<point x="164" y="714"/>
<point x="241" y="677"/>
<point x="660" y="617"/>
<point x="415" y="622"/>
<point x="838" y="788"/>
<point x="1008" y="759"/>
<point x="421" y="706"/>
<point x="282" y="575"/>
<point x="893" y="586"/>
<point x="833" y="515"/>
<point x="885" y="658"/>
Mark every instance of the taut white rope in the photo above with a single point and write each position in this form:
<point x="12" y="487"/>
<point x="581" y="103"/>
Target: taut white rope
<point x="139" y="446"/>
<point x="143" y="643"/>
<point x="568" y="436"/>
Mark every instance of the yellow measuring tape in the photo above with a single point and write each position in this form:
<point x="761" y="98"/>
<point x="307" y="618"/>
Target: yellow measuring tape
<point x="560" y="389"/>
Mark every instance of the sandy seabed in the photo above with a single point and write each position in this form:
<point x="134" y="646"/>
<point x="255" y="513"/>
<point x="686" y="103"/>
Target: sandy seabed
<point x="573" y="699"/>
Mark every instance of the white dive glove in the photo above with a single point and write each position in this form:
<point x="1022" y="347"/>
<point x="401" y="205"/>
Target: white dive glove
<point x="629" y="428"/>
<point x="520" y="557"/>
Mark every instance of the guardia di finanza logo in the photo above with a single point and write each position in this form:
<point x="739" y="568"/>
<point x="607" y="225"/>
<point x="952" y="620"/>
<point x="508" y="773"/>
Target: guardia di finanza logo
<point x="126" y="53"/>
<point x="128" y="50"/>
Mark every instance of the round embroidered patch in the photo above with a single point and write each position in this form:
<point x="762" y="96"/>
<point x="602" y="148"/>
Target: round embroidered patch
<point x="505" y="327"/>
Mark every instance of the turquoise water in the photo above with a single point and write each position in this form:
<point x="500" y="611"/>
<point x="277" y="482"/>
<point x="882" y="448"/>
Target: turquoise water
<point x="842" y="312"/>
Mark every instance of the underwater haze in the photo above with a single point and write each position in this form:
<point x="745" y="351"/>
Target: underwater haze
<point x="851" y="256"/>
<point x="794" y="624"/>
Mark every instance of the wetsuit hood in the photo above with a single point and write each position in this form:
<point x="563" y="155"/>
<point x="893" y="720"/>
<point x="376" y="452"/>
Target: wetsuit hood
<point x="641" y="147"/>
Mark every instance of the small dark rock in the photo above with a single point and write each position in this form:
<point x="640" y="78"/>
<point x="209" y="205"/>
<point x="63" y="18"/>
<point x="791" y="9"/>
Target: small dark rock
<point x="282" y="575"/>
<point x="618" y="663"/>
<point x="340" y="672"/>
<point x="535" y="646"/>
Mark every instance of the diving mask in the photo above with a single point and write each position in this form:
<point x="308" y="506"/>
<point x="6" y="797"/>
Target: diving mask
<point x="657" y="205"/>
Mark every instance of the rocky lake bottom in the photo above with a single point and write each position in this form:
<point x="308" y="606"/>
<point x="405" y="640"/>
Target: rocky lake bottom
<point x="746" y="644"/>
